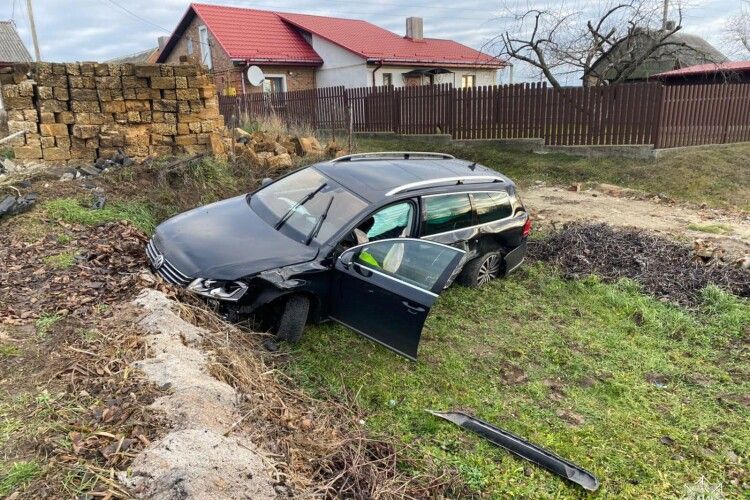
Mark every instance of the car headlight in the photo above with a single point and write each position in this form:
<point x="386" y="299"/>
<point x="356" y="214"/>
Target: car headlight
<point x="221" y="290"/>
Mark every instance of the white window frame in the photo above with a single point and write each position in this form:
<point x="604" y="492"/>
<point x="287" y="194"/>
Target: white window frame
<point x="473" y="79"/>
<point x="277" y="75"/>
<point x="205" y="47"/>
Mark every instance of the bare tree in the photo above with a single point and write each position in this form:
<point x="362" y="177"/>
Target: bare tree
<point x="606" y="48"/>
<point x="738" y="30"/>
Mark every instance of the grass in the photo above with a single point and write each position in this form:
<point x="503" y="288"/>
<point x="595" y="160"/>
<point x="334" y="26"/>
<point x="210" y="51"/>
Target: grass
<point x="717" y="176"/>
<point x="63" y="260"/>
<point x="63" y="239"/>
<point x="45" y="323"/>
<point x="17" y="476"/>
<point x="711" y="228"/>
<point x="9" y="351"/>
<point x="75" y="211"/>
<point x="599" y="373"/>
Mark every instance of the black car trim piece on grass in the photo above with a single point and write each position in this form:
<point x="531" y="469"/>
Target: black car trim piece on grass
<point x="523" y="448"/>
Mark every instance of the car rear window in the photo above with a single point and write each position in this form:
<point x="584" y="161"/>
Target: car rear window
<point x="446" y="213"/>
<point x="491" y="206"/>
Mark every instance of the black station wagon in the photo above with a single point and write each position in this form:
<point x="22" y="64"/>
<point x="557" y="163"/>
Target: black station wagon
<point x="367" y="240"/>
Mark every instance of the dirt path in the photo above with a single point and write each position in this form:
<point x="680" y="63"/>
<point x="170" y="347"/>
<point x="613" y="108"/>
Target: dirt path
<point x="621" y="207"/>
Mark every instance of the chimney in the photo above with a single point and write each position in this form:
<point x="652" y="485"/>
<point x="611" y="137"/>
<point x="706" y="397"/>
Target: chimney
<point x="414" y="29"/>
<point x="163" y="41"/>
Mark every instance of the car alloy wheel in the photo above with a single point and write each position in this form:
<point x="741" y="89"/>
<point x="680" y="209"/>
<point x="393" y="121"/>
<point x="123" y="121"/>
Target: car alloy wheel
<point x="489" y="269"/>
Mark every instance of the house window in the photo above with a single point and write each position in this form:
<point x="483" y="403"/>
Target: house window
<point x="190" y="46"/>
<point x="274" y="83"/>
<point x="468" y="81"/>
<point x="205" y="47"/>
<point x="388" y="79"/>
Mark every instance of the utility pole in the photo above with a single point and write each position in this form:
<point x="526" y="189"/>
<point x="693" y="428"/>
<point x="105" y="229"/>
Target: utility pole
<point x="32" y="26"/>
<point x="664" y="15"/>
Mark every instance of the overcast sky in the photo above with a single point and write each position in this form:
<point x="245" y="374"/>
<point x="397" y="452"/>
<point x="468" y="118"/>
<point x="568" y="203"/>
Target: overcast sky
<point x="96" y="30"/>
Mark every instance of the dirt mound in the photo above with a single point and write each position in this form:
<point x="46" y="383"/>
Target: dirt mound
<point x="664" y="268"/>
<point x="199" y="459"/>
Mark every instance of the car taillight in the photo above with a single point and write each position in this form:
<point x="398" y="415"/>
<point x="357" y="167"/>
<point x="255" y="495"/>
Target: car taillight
<point x="527" y="227"/>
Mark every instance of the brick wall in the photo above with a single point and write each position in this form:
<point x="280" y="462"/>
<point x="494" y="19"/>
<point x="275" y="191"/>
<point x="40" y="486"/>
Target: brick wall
<point x="228" y="76"/>
<point x="74" y="113"/>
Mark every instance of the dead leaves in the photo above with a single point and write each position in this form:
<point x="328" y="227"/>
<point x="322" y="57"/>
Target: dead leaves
<point x="110" y="258"/>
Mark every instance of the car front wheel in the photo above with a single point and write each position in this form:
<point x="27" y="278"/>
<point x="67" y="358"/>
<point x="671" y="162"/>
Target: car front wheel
<point x="481" y="270"/>
<point x="293" y="318"/>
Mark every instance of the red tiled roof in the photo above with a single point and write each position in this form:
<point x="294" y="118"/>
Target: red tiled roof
<point x="702" y="69"/>
<point x="265" y="36"/>
<point x="250" y="35"/>
<point x="375" y="43"/>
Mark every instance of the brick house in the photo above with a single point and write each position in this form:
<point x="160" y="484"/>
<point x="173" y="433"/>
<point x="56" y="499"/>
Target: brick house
<point x="298" y="51"/>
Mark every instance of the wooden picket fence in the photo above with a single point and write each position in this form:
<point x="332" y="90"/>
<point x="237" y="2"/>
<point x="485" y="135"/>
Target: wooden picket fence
<point x="627" y="114"/>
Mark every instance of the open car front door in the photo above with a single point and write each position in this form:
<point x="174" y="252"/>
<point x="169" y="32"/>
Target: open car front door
<point x="385" y="289"/>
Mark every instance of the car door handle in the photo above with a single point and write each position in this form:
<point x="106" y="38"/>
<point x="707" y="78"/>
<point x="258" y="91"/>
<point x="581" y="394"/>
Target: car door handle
<point x="412" y="308"/>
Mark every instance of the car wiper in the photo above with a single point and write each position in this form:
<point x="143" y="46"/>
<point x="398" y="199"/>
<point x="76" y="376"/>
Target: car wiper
<point x="301" y="202"/>
<point x="319" y="223"/>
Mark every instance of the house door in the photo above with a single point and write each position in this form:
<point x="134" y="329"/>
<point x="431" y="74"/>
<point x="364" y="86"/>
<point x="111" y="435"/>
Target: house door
<point x="413" y="81"/>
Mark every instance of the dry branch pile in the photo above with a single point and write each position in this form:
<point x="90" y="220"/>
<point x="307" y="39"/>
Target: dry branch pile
<point x="664" y="268"/>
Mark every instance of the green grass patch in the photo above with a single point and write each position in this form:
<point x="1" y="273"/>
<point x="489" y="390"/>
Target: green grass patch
<point x="17" y="476"/>
<point x="63" y="239"/>
<point x="599" y="373"/>
<point x="45" y="323"/>
<point x="711" y="228"/>
<point x="10" y="422"/>
<point x="9" y="351"/>
<point x="717" y="176"/>
<point x="63" y="260"/>
<point x="74" y="211"/>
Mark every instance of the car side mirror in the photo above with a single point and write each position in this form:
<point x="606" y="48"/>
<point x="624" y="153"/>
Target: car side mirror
<point x="346" y="259"/>
<point x="265" y="182"/>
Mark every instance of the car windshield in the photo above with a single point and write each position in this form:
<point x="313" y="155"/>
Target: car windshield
<point x="296" y="204"/>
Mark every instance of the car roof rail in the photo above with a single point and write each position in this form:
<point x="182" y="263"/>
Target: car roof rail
<point x="390" y="155"/>
<point x="445" y="181"/>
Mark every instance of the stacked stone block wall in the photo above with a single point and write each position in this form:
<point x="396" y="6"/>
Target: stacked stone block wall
<point x="75" y="113"/>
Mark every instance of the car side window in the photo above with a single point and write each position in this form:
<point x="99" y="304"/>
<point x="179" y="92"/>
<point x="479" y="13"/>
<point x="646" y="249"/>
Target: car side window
<point x="393" y="221"/>
<point x="491" y="206"/>
<point x="419" y="263"/>
<point x="446" y="213"/>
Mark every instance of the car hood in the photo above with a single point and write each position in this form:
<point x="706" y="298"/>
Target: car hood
<point x="226" y="240"/>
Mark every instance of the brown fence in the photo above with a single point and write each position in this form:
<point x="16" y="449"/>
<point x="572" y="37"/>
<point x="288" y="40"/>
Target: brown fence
<point x="704" y="114"/>
<point x="637" y="113"/>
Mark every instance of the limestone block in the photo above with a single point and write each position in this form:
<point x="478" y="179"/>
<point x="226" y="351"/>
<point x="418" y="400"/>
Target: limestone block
<point x="28" y="152"/>
<point x="163" y="82"/>
<point x="85" y="106"/>
<point x="53" y="129"/>
<point x="114" y="107"/>
<point x="147" y="70"/>
<point x="85" y="131"/>
<point x="56" y="154"/>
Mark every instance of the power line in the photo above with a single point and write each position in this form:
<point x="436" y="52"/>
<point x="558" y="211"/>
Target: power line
<point x="138" y="17"/>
